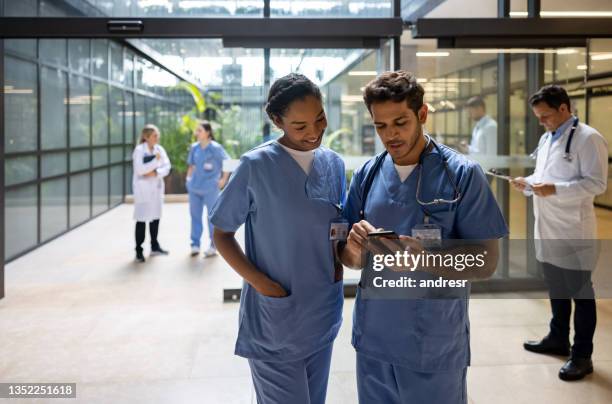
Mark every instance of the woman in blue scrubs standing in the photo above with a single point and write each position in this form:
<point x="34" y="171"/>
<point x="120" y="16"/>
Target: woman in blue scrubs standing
<point x="288" y="193"/>
<point x="205" y="177"/>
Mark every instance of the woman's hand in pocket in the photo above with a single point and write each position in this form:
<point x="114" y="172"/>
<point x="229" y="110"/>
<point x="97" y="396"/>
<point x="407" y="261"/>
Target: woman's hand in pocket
<point x="268" y="287"/>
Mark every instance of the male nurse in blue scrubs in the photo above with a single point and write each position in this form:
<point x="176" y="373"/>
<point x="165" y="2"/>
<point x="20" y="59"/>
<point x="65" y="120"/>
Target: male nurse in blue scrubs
<point x="415" y="350"/>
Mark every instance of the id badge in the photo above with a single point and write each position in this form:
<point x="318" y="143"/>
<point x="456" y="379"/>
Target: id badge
<point x="338" y="230"/>
<point x="429" y="234"/>
<point x="208" y="166"/>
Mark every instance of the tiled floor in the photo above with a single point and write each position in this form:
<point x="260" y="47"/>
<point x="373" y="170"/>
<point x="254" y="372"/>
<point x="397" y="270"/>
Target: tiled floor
<point x="80" y="310"/>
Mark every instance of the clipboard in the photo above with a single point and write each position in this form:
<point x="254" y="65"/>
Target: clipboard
<point x="494" y="173"/>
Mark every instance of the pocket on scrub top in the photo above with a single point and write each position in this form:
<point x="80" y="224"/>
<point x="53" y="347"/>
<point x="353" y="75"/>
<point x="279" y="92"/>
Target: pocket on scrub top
<point x="276" y="319"/>
<point x="276" y="301"/>
<point x="441" y="317"/>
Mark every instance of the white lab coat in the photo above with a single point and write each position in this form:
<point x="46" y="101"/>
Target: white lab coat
<point x="484" y="137"/>
<point x="149" y="191"/>
<point x="565" y="223"/>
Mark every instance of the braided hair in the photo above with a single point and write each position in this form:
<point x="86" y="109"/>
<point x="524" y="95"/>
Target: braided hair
<point x="287" y="89"/>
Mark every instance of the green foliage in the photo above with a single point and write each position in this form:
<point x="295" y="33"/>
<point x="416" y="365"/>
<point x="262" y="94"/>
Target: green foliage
<point x="196" y="94"/>
<point x="176" y="138"/>
<point x="231" y="128"/>
<point x="334" y="140"/>
<point x="232" y="131"/>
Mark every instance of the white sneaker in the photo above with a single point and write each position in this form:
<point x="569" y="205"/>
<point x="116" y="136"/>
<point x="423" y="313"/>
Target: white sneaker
<point x="195" y="250"/>
<point x="211" y="252"/>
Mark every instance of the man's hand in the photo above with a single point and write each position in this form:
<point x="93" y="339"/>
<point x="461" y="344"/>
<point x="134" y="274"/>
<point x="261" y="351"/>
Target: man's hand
<point x="544" y="189"/>
<point x="356" y="242"/>
<point x="151" y="174"/>
<point x="358" y="236"/>
<point x="519" y="183"/>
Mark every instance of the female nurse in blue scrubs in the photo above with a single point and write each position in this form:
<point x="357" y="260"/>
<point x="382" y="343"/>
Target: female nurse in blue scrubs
<point x="205" y="177"/>
<point x="288" y="193"/>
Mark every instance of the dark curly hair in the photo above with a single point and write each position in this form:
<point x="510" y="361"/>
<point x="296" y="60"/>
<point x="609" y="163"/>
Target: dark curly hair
<point x="395" y="86"/>
<point x="287" y="89"/>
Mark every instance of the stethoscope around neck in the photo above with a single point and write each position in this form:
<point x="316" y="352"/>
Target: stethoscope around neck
<point x="567" y="156"/>
<point x="376" y="166"/>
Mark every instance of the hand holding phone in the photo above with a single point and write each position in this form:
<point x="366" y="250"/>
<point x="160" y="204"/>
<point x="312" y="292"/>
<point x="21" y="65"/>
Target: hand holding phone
<point x="384" y="234"/>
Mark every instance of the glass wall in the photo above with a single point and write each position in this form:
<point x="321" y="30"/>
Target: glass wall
<point x="146" y="8"/>
<point x="216" y="8"/>
<point x="331" y="8"/>
<point x="70" y="126"/>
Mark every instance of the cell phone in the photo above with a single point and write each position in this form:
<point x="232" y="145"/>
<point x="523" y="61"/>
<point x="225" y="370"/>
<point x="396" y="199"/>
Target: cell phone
<point x="384" y="234"/>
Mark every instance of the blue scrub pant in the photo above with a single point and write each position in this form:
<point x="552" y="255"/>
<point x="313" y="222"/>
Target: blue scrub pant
<point x="197" y="201"/>
<point x="298" y="382"/>
<point x="383" y="382"/>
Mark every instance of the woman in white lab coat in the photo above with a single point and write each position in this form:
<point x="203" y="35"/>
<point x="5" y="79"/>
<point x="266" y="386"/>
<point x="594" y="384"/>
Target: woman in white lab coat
<point x="151" y="164"/>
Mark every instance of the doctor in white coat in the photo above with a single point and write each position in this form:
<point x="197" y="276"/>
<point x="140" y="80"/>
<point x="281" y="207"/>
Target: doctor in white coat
<point x="571" y="169"/>
<point x="151" y="164"/>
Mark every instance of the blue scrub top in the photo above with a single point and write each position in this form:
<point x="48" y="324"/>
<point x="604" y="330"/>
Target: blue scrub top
<point x="425" y="334"/>
<point x="208" y="164"/>
<point x="287" y="215"/>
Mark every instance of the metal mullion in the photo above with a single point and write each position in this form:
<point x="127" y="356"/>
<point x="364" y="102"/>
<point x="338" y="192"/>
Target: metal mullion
<point x="554" y="67"/>
<point x="108" y="119"/>
<point x="68" y="136"/>
<point x="503" y="148"/>
<point x="2" y="135"/>
<point x="38" y="145"/>
<point x="58" y="176"/>
<point x="533" y="8"/>
<point x="90" y="130"/>
<point x="49" y="151"/>
<point x="396" y="40"/>
<point x="213" y="27"/>
<point x="586" y="75"/>
<point x="123" y="92"/>
<point x="267" y="76"/>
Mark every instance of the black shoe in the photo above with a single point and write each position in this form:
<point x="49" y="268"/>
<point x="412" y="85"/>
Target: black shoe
<point x="158" y="251"/>
<point x="548" y="346"/>
<point x="576" y="369"/>
<point x="139" y="256"/>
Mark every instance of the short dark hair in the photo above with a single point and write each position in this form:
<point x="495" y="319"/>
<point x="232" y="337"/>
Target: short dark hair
<point x="476" y="102"/>
<point x="395" y="86"/>
<point x="208" y="128"/>
<point x="553" y="95"/>
<point x="287" y="89"/>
